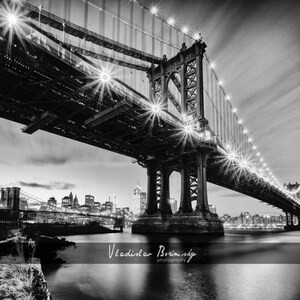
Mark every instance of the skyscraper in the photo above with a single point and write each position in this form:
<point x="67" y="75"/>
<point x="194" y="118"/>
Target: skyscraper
<point x="52" y="202"/>
<point x="89" y="200"/>
<point x="143" y="202"/>
<point x="139" y="200"/>
<point x="65" y="201"/>
<point x="75" y="202"/>
<point x="71" y="200"/>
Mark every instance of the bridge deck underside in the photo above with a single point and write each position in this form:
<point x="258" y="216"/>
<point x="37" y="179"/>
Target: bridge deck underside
<point x="34" y="82"/>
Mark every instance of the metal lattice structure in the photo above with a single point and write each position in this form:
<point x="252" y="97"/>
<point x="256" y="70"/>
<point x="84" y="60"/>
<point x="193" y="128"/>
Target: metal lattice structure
<point x="162" y="105"/>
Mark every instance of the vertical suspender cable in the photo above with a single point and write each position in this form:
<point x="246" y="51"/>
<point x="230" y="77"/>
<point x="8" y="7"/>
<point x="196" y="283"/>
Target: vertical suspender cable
<point x="133" y="80"/>
<point x="162" y="38"/>
<point x="153" y="33"/>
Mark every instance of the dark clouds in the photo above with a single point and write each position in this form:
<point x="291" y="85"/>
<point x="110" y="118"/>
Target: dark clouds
<point x="49" y="160"/>
<point x="49" y="186"/>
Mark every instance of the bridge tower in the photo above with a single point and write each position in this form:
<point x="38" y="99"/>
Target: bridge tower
<point x="295" y="188"/>
<point x="185" y="71"/>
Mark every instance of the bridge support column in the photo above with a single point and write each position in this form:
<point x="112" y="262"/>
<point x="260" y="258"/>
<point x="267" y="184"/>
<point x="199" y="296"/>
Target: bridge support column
<point x="290" y="222"/>
<point x="151" y="190"/>
<point x="164" y="206"/>
<point x="185" y="203"/>
<point x="202" y="202"/>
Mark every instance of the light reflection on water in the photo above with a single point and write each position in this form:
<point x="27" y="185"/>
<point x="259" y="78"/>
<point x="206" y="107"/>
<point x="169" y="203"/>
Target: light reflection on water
<point x="178" y="281"/>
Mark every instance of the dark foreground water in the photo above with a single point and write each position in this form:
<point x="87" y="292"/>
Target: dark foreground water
<point x="248" y="266"/>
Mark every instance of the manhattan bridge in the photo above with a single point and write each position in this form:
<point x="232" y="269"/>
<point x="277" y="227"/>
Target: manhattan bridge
<point x="121" y="76"/>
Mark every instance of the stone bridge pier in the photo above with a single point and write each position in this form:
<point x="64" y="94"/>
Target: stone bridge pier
<point x="158" y="217"/>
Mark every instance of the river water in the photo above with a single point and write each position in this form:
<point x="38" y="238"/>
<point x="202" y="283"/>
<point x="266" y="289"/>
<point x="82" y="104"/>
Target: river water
<point x="265" y="266"/>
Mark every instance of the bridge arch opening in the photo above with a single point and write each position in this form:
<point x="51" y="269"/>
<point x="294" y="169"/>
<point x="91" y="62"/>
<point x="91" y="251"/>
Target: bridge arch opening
<point x="175" y="191"/>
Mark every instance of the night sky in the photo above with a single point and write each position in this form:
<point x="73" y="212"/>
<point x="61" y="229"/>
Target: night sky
<point x="255" y="45"/>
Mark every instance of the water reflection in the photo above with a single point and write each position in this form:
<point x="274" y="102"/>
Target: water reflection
<point x="181" y="281"/>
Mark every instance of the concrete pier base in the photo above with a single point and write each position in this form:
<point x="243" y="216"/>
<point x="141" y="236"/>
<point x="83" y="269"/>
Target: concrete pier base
<point x="197" y="222"/>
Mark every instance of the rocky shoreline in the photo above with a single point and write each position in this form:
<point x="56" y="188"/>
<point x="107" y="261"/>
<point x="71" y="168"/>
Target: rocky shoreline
<point x="21" y="275"/>
<point x="22" y="281"/>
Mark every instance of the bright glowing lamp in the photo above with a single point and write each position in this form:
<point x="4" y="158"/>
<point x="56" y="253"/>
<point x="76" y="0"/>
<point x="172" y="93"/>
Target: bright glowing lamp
<point x="104" y="76"/>
<point x="154" y="10"/>
<point x="12" y="19"/>
<point x="232" y="156"/>
<point x="188" y="129"/>
<point x="156" y="108"/>
<point x="196" y="36"/>
<point x="171" y="21"/>
<point x="243" y="164"/>
<point x="185" y="30"/>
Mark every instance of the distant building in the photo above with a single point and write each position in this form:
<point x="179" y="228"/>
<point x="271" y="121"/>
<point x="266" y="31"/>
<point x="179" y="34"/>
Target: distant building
<point x="109" y="206"/>
<point x="52" y="202"/>
<point x="85" y="207"/>
<point x="292" y="187"/>
<point x="71" y="200"/>
<point x="23" y="204"/>
<point x="139" y="200"/>
<point x="89" y="200"/>
<point x="173" y="203"/>
<point x="75" y="202"/>
<point x="143" y="202"/>
<point x="65" y="201"/>
<point x="97" y="205"/>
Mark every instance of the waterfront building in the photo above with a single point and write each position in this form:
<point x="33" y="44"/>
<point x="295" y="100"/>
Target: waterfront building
<point x="89" y="200"/>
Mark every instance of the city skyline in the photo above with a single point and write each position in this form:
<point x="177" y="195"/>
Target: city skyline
<point x="261" y="73"/>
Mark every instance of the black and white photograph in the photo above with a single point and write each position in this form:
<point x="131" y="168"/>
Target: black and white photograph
<point x="149" y="149"/>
